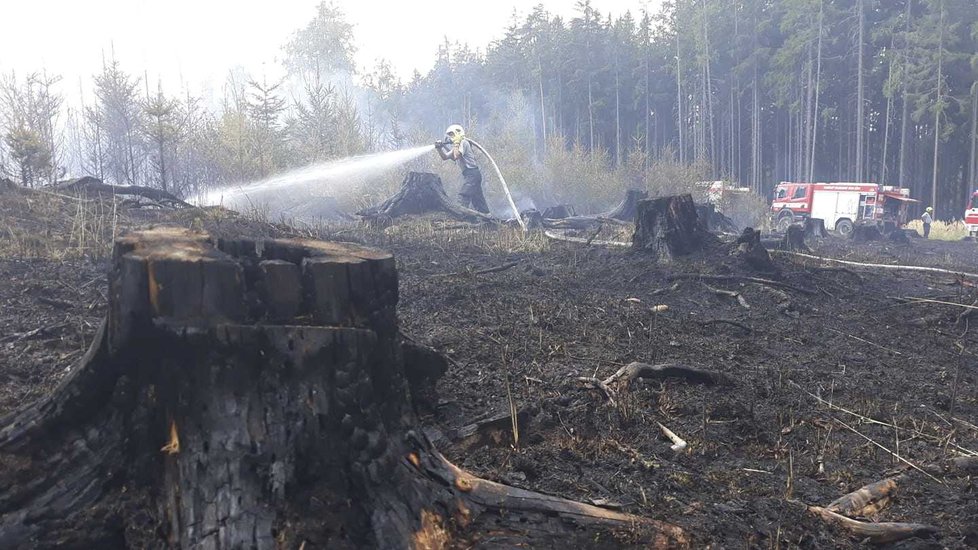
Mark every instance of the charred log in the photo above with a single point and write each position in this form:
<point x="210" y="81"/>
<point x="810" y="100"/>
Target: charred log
<point x="94" y="186"/>
<point x="877" y="533"/>
<point x="867" y="500"/>
<point x="421" y="193"/>
<point x="559" y="212"/>
<point x="668" y="228"/>
<point x="217" y="409"/>
<point x="562" y="217"/>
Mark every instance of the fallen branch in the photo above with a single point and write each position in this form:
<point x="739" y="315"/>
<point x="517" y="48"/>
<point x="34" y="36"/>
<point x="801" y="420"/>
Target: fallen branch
<point x="17" y="337"/>
<point x="877" y="533"/>
<point x="912" y="300"/>
<point x="678" y="444"/>
<point x="730" y="294"/>
<point x="866" y="500"/>
<point x="600" y="385"/>
<point x="578" y="240"/>
<point x="879" y="266"/>
<point x="741" y="278"/>
<point x="635" y="370"/>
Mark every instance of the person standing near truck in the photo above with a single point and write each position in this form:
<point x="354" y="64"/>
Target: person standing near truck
<point x="927" y="218"/>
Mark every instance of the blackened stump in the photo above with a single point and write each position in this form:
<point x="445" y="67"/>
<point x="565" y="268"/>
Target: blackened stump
<point x="668" y="227"/>
<point x="254" y="394"/>
<point x="754" y="254"/>
<point x="794" y="239"/>
<point x="815" y="228"/>
<point x="420" y="193"/>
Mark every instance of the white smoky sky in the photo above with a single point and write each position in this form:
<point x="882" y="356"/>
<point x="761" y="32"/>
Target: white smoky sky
<point x="193" y="44"/>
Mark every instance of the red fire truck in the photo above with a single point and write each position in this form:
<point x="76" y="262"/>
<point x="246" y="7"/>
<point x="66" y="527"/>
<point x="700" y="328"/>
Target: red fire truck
<point x="840" y="205"/>
<point x="971" y="215"/>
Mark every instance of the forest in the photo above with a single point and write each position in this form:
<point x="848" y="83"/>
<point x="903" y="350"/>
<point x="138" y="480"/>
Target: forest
<point x="751" y="91"/>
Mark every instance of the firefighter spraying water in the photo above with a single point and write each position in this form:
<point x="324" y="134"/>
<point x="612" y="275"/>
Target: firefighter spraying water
<point x="456" y="146"/>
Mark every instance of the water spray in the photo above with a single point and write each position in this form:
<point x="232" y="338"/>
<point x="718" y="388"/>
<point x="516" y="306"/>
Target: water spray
<point x="502" y="180"/>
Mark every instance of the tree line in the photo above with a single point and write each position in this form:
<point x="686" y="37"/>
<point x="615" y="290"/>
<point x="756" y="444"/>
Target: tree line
<point x="754" y="91"/>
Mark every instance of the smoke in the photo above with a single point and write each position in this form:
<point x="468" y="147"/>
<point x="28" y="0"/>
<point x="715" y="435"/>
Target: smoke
<point x="312" y="192"/>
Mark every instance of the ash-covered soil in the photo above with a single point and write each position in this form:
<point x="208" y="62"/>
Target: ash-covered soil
<point x="900" y="376"/>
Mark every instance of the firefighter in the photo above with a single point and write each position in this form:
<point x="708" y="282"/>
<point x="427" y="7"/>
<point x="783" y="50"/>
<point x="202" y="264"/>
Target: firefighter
<point x="927" y="218"/>
<point x="458" y="148"/>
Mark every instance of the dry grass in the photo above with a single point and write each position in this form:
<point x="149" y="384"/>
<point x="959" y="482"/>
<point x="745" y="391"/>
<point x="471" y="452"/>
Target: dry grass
<point x="942" y="231"/>
<point x="40" y="224"/>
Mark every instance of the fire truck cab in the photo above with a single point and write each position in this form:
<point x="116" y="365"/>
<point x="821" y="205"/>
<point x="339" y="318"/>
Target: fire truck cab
<point x="971" y="215"/>
<point x="840" y="205"/>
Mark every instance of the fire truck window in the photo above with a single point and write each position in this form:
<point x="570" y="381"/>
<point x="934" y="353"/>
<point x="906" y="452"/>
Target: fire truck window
<point x="799" y="193"/>
<point x="782" y="193"/>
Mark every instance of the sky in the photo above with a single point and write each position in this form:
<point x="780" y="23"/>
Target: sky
<point x="194" y="43"/>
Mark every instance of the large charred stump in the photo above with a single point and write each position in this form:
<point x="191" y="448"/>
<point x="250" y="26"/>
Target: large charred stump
<point x="815" y="228"/>
<point x="421" y="193"/>
<point x="250" y="394"/>
<point x="668" y="227"/>
<point x="794" y="239"/>
<point x="864" y="233"/>
<point x="754" y="254"/>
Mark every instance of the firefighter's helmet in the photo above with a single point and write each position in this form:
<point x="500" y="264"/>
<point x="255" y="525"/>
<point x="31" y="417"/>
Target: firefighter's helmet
<point x="455" y="130"/>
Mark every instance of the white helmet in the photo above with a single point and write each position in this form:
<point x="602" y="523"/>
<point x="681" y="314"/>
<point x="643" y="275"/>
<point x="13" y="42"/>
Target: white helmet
<point x="454" y="129"/>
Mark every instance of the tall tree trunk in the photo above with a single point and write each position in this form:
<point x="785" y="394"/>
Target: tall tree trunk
<point x="904" y="96"/>
<point x="974" y="136"/>
<point x="818" y="82"/>
<point x="860" y="93"/>
<point x="938" y="107"/>
<point x="543" y="109"/>
<point x="679" y="101"/>
<point x="617" y="114"/>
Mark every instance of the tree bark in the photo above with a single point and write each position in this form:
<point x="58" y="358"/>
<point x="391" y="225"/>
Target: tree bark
<point x="254" y="394"/>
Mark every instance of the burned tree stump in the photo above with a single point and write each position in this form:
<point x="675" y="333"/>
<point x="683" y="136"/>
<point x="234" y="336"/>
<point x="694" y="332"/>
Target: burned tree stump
<point x="628" y="207"/>
<point x="421" y="193"/>
<point x="668" y="227"/>
<point x="794" y="239"/>
<point x="864" y="233"/>
<point x="247" y="394"/>
<point x="815" y="228"/>
<point x="753" y="253"/>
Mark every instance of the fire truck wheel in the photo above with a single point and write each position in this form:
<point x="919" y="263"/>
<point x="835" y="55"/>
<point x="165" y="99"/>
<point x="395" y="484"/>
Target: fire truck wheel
<point x="844" y="227"/>
<point x="784" y="220"/>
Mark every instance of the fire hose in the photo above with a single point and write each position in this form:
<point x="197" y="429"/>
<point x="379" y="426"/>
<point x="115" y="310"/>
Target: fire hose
<point x="509" y="197"/>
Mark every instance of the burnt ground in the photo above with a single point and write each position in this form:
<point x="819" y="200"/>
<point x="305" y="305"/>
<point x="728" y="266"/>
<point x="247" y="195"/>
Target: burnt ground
<point x="905" y="373"/>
